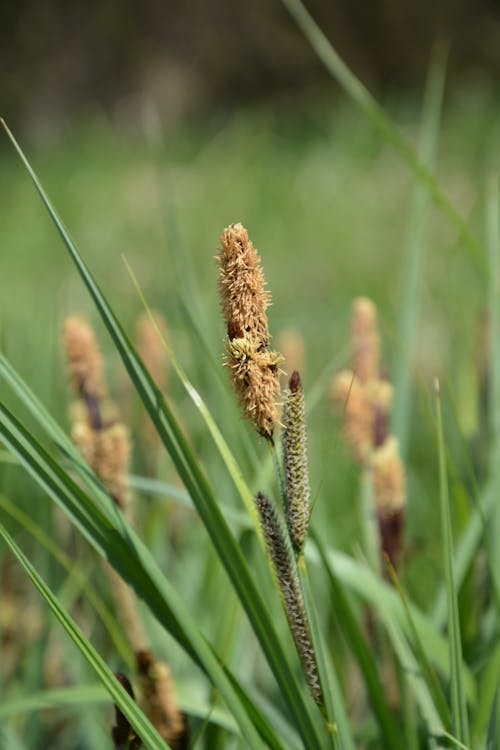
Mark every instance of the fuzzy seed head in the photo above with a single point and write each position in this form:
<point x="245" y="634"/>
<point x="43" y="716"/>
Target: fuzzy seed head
<point x="112" y="460"/>
<point x="254" y="368"/>
<point x="295" y="462"/>
<point x="242" y="285"/>
<point x="356" y="412"/>
<point x="281" y="556"/>
<point x="83" y="358"/>
<point x="388" y="477"/>
<point x="365" y="340"/>
<point x="160" y="703"/>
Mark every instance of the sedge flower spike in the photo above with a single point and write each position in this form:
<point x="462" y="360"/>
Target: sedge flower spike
<point x="295" y="463"/>
<point x="244" y="300"/>
<point x="281" y="556"/>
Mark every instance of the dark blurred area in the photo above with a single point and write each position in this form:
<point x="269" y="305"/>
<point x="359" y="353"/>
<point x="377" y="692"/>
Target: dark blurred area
<point x="61" y="59"/>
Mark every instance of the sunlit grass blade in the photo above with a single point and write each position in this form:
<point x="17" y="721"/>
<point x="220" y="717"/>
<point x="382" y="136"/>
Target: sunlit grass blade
<point x="426" y="669"/>
<point x="415" y="241"/>
<point x="347" y="621"/>
<point x="119" y="696"/>
<point x="339" y="725"/>
<point x="302" y="709"/>
<point x="110" y="534"/>
<point x="382" y="122"/>
<point x="74" y="571"/>
<point x="360" y="579"/>
<point x="460" y="722"/>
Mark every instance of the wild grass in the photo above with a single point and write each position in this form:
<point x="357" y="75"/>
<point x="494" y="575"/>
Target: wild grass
<point x="412" y="661"/>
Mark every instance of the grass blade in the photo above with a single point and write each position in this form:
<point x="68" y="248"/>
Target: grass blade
<point x="460" y="722"/>
<point x="114" y="539"/>
<point x="382" y="122"/>
<point x="414" y="249"/>
<point x="120" y="697"/>
<point x="301" y="708"/>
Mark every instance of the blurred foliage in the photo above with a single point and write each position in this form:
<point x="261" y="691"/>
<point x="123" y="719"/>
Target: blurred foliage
<point x="59" y="59"/>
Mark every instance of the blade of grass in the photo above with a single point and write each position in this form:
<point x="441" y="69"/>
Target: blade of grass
<point x="492" y="739"/>
<point x="460" y="722"/>
<point x="354" y="636"/>
<point x="414" y="248"/>
<point x="109" y="533"/>
<point x="302" y="709"/>
<point x="360" y="579"/>
<point x="109" y="622"/>
<point x="420" y="655"/>
<point x="119" y="696"/>
<point x="383" y="123"/>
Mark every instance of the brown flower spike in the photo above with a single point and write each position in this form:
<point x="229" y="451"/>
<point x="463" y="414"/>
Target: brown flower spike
<point x="254" y="368"/>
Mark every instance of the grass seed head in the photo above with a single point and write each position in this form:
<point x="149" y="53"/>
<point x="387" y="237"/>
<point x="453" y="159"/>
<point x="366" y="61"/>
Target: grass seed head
<point x="83" y="358"/>
<point x="254" y="368"/>
<point x="295" y="462"/>
<point x="365" y="340"/>
<point x="159" y="700"/>
<point x="388" y="477"/>
<point x="286" y="573"/>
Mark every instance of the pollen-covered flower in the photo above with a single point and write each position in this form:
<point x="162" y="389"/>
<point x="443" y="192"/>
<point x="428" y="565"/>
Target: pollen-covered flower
<point x="83" y="358"/>
<point x="254" y="367"/>
<point x="160" y="703"/>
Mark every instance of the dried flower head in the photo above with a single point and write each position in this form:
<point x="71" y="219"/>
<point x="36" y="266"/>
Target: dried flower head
<point x="356" y="411"/>
<point x="160" y="703"/>
<point x="284" y="567"/>
<point x="365" y="340"/>
<point x="254" y="368"/>
<point x="83" y="358"/>
<point x="242" y="285"/>
<point x="295" y="462"/>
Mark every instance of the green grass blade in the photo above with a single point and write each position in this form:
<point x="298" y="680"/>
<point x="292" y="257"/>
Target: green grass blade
<point x="424" y="665"/>
<point x="115" y="540"/>
<point x="360" y="579"/>
<point x="301" y="708"/>
<point x="120" y="697"/>
<point x="460" y="722"/>
<point x="414" y="250"/>
<point x="115" y="632"/>
<point x="359" y="649"/>
<point x="492" y="741"/>
<point x="382" y="122"/>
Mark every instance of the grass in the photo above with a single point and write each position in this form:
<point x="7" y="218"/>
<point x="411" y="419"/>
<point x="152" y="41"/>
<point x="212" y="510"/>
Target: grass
<point x="331" y="206"/>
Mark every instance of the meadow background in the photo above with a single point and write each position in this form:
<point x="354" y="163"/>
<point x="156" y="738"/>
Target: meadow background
<point x="330" y="205"/>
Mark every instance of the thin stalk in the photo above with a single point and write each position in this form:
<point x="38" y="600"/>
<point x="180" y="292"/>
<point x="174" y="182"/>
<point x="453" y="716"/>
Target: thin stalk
<point x="459" y="719"/>
<point x="391" y="133"/>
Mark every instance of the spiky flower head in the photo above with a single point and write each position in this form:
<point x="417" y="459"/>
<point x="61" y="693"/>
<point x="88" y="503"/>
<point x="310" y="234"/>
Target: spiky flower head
<point x="83" y="358"/>
<point x="242" y="285"/>
<point x="281" y="556"/>
<point x="111" y="460"/>
<point x="295" y="462"/>
<point x="160" y="703"/>
<point x="254" y="368"/>
<point x="365" y="340"/>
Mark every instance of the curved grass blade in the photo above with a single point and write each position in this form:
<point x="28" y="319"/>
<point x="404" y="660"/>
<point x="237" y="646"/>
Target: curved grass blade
<point x="415" y="247"/>
<point x="375" y="591"/>
<point x="301" y="707"/>
<point x="120" y="697"/>
<point x="459" y="719"/>
<point x="345" y="616"/>
<point x="109" y="533"/>
<point x="383" y="123"/>
<point x="107" y="619"/>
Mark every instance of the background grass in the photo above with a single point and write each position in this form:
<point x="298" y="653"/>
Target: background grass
<point x="327" y="204"/>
